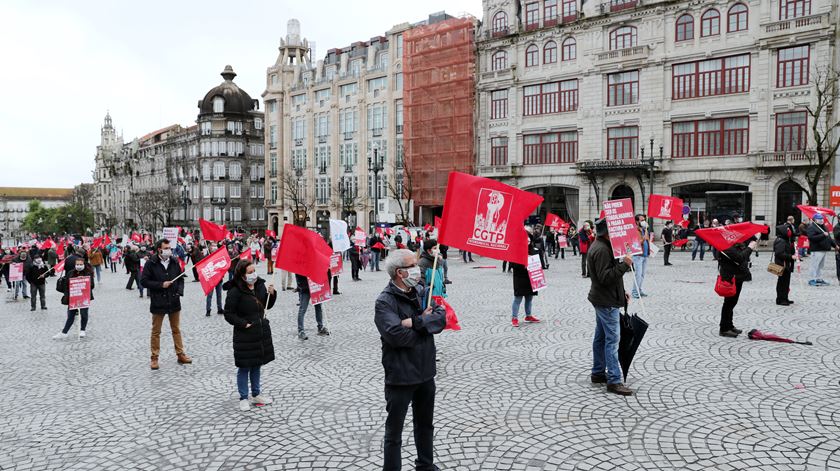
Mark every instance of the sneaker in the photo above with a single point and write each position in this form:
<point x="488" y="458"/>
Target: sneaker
<point x="60" y="336"/>
<point x="43" y="308"/>
<point x="729" y="333"/>
<point x="822" y="282"/>
<point x="302" y="336"/>
<point x="531" y="319"/>
<point x="260" y="399"/>
<point x="32" y="309"/>
<point x="447" y="282"/>
<point x="515" y="322"/>
<point x="620" y="389"/>
<point x="244" y="405"/>
<point x="813" y="283"/>
<point x="82" y="334"/>
<point x="644" y="295"/>
<point x="323" y="331"/>
<point x="598" y="379"/>
<point x="737" y="331"/>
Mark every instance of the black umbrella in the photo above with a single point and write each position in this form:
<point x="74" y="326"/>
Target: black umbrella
<point x="633" y="330"/>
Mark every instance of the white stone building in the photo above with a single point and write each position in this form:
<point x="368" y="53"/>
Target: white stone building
<point x="570" y="97"/>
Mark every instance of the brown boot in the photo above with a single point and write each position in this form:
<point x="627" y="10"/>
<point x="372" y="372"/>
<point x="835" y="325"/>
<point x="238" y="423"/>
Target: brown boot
<point x="620" y="389"/>
<point x="155" y="364"/>
<point x="184" y="359"/>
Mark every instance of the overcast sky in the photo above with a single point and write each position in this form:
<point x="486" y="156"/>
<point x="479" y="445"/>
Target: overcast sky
<point x="64" y="64"/>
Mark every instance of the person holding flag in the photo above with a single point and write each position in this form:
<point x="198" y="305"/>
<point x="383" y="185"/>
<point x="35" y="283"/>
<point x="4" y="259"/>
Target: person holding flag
<point x="522" y="288"/>
<point x="80" y="269"/>
<point x="218" y="290"/>
<point x="783" y="251"/>
<point x="163" y="277"/>
<point x="734" y="263"/>
<point x="245" y="304"/>
<point x="36" y="274"/>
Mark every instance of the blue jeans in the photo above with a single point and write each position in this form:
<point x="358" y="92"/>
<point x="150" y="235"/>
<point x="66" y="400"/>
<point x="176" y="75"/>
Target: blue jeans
<point x="639" y="265"/>
<point x="698" y="246"/>
<point x="98" y="270"/>
<point x="71" y="315"/>
<point x="218" y="290"/>
<point x="304" y="304"/>
<point x="242" y="381"/>
<point x="22" y="287"/>
<point x="374" y="260"/>
<point x="517" y="300"/>
<point x="605" y="344"/>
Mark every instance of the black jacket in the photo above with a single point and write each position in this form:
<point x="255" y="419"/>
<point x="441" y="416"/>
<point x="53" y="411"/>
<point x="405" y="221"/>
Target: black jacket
<point x="408" y="354"/>
<point x="606" y="274"/>
<point x="819" y="238"/>
<point x="783" y="248"/>
<point x="668" y="235"/>
<point x="73" y="273"/>
<point x="735" y="262"/>
<point x="163" y="301"/>
<point x="521" y="281"/>
<point x="252" y="346"/>
<point x="33" y="274"/>
<point x="132" y="261"/>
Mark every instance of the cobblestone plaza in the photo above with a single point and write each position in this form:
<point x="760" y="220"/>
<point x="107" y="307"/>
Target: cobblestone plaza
<point x="507" y="398"/>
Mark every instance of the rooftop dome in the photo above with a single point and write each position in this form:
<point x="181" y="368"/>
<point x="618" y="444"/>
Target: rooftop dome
<point x="236" y="100"/>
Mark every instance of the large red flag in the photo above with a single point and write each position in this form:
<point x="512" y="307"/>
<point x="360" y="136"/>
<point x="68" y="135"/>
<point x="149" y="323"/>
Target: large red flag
<point x="211" y="231"/>
<point x="304" y="252"/>
<point x="48" y="244"/>
<point x="437" y="223"/>
<point x="97" y="242"/>
<point x="665" y="207"/>
<point x="554" y="221"/>
<point x="107" y="240"/>
<point x="245" y="254"/>
<point x="212" y="269"/>
<point x="487" y="217"/>
<point x="724" y="237"/>
<point x="810" y="211"/>
<point x="270" y="233"/>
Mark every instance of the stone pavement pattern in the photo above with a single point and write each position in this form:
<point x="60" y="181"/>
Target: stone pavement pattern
<point x="507" y="399"/>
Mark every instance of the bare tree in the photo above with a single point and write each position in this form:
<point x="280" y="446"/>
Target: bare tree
<point x="144" y="205"/>
<point x="348" y="199"/>
<point x="296" y="199"/>
<point x="402" y="191"/>
<point x="824" y="126"/>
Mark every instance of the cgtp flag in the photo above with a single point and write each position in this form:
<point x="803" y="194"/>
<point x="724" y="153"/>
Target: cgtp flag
<point x="305" y="253"/>
<point x="211" y="231"/>
<point x="724" y="237"/>
<point x="212" y="269"/>
<point x="554" y="221"/>
<point x="338" y="235"/>
<point x="811" y="211"/>
<point x="59" y="267"/>
<point x="665" y="207"/>
<point x="486" y="217"/>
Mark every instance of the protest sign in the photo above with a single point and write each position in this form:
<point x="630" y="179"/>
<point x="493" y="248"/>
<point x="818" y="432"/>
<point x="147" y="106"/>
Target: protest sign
<point x="536" y="274"/>
<point x="79" y="288"/>
<point x="624" y="237"/>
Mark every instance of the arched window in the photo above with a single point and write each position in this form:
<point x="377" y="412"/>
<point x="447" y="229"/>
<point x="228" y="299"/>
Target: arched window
<point x="550" y="52"/>
<point x="531" y="55"/>
<point x="218" y="104"/>
<point x="710" y="23"/>
<point x="500" y="23"/>
<point x="685" y="27"/>
<point x="737" y="18"/>
<point x="499" y="60"/>
<point x="622" y="38"/>
<point x="569" y="49"/>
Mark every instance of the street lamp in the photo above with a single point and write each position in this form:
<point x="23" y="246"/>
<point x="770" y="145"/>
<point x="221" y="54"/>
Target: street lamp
<point x="652" y="164"/>
<point x="185" y="198"/>
<point x="375" y="166"/>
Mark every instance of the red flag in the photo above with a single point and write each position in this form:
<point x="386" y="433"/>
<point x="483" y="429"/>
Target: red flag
<point x="683" y="223"/>
<point x="389" y="231"/>
<point x="136" y="237"/>
<point x="60" y="251"/>
<point x="554" y="221"/>
<point x="724" y="237"/>
<point x="304" y="252"/>
<point x="211" y="231"/>
<point x="270" y="233"/>
<point x="97" y="242"/>
<point x="487" y="217"/>
<point x="245" y="254"/>
<point x="428" y="228"/>
<point x="379" y="231"/>
<point x="212" y="269"/>
<point x="48" y="244"/>
<point x="437" y="222"/>
<point x="810" y="211"/>
<point x="665" y="207"/>
<point x="378" y="245"/>
<point x="107" y="240"/>
<point x="59" y="267"/>
<point x="451" y="318"/>
<point x="182" y="262"/>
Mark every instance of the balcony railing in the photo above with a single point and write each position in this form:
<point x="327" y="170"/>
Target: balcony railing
<point x="218" y="200"/>
<point x="782" y="159"/>
<point x="796" y="25"/>
<point x="498" y="32"/>
<point x="298" y="142"/>
<point x="348" y="135"/>
<point x="322" y="139"/>
<point x="630" y="53"/>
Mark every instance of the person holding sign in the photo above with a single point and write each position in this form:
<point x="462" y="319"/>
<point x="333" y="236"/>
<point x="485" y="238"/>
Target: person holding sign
<point x="163" y="277"/>
<point x="304" y="298"/>
<point x="245" y="305"/>
<point x="640" y="260"/>
<point x="522" y="286"/>
<point x="78" y="293"/>
<point x="607" y="296"/>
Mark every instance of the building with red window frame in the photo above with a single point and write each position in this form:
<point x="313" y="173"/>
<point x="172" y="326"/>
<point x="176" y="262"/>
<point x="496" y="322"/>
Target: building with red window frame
<point x="721" y="88"/>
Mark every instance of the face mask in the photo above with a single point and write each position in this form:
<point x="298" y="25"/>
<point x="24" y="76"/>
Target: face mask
<point x="413" y="277"/>
<point x="38" y="263"/>
<point x="165" y="254"/>
<point x="251" y="278"/>
<point x="643" y="224"/>
<point x="80" y="267"/>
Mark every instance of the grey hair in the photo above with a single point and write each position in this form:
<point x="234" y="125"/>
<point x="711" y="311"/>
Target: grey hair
<point x="397" y="259"/>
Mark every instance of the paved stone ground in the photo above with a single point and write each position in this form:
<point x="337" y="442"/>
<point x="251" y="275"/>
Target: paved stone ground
<point x="507" y="399"/>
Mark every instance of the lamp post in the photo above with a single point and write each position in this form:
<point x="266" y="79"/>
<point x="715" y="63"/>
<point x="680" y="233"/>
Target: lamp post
<point x="652" y="165"/>
<point x="185" y="198"/>
<point x="375" y="166"/>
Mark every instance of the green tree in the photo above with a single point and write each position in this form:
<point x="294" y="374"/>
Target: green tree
<point x="39" y="219"/>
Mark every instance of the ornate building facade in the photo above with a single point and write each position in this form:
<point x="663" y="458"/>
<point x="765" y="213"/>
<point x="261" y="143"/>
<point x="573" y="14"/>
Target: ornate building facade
<point x="621" y="98"/>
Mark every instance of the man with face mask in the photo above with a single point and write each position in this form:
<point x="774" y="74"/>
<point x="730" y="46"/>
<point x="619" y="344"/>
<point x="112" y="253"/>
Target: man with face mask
<point x="36" y="275"/>
<point x="640" y="261"/>
<point x="22" y="287"/>
<point x="165" y="291"/>
<point x="406" y="328"/>
<point x="668" y="239"/>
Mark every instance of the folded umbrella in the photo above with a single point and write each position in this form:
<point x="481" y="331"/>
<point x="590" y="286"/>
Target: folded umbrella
<point x="633" y="330"/>
<point x="756" y="334"/>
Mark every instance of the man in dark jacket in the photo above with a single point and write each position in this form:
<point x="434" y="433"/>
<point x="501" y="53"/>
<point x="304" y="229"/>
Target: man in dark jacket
<point x="161" y="276"/>
<point x="607" y="296"/>
<point x="821" y="245"/>
<point x="132" y="265"/>
<point x="36" y="275"/>
<point x="783" y="255"/>
<point x="668" y="240"/>
<point x="406" y="329"/>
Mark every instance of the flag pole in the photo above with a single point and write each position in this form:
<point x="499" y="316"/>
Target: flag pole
<point x="638" y="289"/>
<point x="434" y="271"/>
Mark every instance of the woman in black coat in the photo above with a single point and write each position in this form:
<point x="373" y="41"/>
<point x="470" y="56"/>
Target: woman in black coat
<point x="522" y="289"/>
<point x="734" y="262"/>
<point x="783" y="255"/>
<point x="245" y="306"/>
<point x="79" y="268"/>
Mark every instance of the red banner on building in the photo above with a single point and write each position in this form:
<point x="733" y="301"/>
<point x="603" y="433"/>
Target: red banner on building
<point x="624" y="237"/>
<point x="319" y="292"/>
<point x="336" y="264"/>
<point x="665" y="207"/>
<point x="536" y="273"/>
<point x="834" y="199"/>
<point x="79" y="296"/>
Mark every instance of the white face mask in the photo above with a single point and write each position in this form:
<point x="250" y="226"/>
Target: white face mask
<point x="80" y="267"/>
<point x="413" y="277"/>
<point x="165" y="254"/>
<point x="251" y="278"/>
<point x="643" y="224"/>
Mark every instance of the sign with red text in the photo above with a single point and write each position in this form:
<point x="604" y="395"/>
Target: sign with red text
<point x="536" y="273"/>
<point x="171" y="233"/>
<point x="319" y="292"/>
<point x="336" y="264"/>
<point x="562" y="241"/>
<point x="16" y="272"/>
<point x="624" y="237"/>
<point x="834" y="200"/>
<point x="79" y="296"/>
